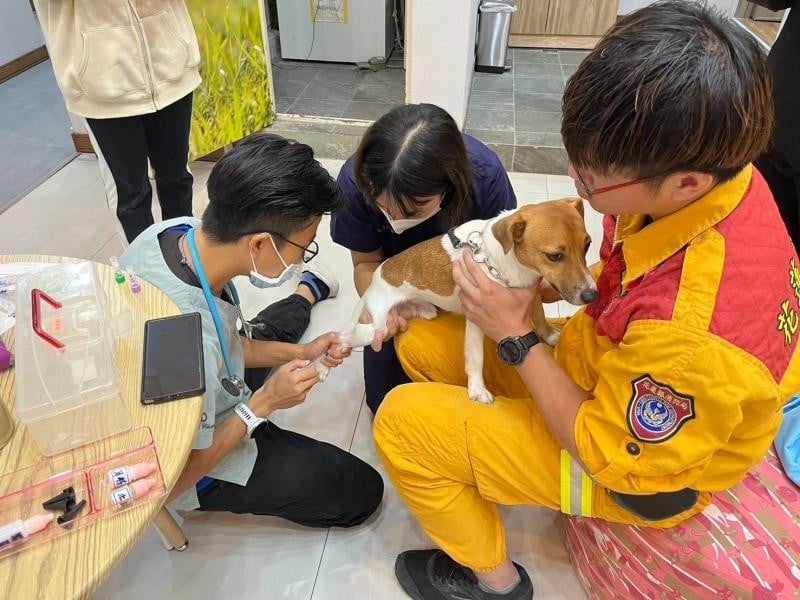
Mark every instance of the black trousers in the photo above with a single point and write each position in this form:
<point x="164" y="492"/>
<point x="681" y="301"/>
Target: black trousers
<point x="296" y="477"/>
<point x="126" y="143"/>
<point x="784" y="183"/>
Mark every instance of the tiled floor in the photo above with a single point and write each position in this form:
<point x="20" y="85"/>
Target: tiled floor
<point x="321" y="89"/>
<point x="34" y="132"/>
<point x="336" y="90"/>
<point x="518" y="113"/>
<point x="237" y="556"/>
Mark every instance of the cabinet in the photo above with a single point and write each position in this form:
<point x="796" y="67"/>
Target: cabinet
<point x="579" y="23"/>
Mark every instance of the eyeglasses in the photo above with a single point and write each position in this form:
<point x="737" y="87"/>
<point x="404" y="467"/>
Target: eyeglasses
<point x="309" y="251"/>
<point x="590" y="193"/>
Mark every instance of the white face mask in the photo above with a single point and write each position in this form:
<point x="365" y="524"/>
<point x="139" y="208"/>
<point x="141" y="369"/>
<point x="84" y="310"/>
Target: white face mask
<point x="401" y="225"/>
<point x="289" y="273"/>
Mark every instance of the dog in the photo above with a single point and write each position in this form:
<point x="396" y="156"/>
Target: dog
<point x="516" y="249"/>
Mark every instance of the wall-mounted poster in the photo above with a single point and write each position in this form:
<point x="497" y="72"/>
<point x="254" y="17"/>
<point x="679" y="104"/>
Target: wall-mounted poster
<point x="234" y="99"/>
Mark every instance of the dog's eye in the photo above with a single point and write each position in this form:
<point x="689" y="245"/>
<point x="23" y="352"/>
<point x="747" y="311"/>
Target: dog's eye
<point x="586" y="249"/>
<point x="557" y="257"/>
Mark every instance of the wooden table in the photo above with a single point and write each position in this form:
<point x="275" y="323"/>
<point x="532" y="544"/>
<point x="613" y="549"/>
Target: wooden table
<point x="74" y="565"/>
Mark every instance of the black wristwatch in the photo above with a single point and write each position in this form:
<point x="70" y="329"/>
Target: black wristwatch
<point x="514" y="349"/>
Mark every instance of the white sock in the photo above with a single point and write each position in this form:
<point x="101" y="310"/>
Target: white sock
<point x="505" y="590"/>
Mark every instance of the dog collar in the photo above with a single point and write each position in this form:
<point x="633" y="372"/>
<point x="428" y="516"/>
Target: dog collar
<point x="474" y="242"/>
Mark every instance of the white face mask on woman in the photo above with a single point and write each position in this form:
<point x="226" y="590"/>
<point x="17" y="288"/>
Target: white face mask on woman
<point x="401" y="225"/>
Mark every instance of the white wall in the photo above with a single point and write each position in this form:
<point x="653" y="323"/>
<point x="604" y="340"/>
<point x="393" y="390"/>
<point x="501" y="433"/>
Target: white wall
<point x="440" y="53"/>
<point x="728" y="7"/>
<point x="19" y="30"/>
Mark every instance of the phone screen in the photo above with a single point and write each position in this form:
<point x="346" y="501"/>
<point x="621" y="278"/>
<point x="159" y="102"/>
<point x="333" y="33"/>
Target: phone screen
<point x="173" y="359"/>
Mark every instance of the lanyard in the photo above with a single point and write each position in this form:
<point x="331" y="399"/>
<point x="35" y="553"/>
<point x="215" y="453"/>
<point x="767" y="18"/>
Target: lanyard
<point x="232" y="384"/>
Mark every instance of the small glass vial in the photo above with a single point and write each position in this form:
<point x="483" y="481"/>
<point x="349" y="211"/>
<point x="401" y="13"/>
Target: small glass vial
<point x="119" y="274"/>
<point x="136" y="287"/>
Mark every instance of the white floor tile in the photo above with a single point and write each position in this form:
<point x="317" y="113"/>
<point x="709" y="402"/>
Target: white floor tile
<point x="229" y="556"/>
<point x="524" y="198"/>
<point x="594" y="226"/>
<point x="528" y="182"/>
<point x="359" y="563"/>
<point x="561" y="186"/>
<point x="113" y="247"/>
<point x="67" y="215"/>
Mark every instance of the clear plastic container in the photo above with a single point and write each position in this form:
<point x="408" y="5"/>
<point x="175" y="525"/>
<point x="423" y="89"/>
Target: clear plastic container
<point x="68" y="391"/>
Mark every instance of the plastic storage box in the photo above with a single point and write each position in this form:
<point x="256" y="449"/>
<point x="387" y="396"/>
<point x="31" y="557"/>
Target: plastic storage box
<point x="68" y="391"/>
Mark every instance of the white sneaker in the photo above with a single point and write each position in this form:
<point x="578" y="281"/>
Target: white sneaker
<point x="319" y="270"/>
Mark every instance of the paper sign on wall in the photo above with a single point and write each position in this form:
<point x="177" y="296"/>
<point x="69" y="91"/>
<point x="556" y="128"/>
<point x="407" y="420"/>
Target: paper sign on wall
<point x="329" y="11"/>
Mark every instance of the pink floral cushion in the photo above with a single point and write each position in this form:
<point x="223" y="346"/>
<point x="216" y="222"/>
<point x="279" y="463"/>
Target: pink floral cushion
<point x="746" y="544"/>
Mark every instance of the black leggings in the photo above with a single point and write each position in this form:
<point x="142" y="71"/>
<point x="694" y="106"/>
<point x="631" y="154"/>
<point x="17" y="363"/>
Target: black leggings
<point x="126" y="143"/>
<point x="296" y="477"/>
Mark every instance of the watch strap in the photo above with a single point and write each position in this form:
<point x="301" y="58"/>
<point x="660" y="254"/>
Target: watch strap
<point x="529" y="340"/>
<point x="247" y="416"/>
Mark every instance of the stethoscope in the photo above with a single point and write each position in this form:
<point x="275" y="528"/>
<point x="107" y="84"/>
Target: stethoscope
<point x="232" y="384"/>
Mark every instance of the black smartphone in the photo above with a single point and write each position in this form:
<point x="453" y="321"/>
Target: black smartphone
<point x="173" y="359"/>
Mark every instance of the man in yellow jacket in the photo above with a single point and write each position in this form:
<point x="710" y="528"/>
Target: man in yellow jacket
<point x="130" y="68"/>
<point x="670" y="386"/>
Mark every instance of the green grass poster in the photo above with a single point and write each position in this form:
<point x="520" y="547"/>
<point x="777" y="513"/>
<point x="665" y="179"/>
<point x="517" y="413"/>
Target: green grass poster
<point x="234" y="99"/>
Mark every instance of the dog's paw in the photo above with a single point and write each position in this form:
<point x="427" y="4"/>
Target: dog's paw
<point x="552" y="338"/>
<point x="322" y="371"/>
<point x="481" y="395"/>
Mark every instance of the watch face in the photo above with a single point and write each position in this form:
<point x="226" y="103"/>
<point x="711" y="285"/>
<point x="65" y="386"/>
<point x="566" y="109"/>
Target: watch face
<point x="510" y="351"/>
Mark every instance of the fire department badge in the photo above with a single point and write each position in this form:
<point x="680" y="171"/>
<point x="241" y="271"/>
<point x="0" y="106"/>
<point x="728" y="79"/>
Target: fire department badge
<point x="657" y="412"/>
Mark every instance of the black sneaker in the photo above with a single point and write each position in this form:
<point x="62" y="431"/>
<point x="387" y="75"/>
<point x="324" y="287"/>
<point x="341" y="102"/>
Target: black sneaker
<point x="432" y="575"/>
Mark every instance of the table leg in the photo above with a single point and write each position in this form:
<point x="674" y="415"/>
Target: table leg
<point x="170" y="530"/>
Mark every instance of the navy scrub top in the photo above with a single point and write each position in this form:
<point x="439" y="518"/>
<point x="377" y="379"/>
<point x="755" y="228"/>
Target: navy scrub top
<point x="362" y="228"/>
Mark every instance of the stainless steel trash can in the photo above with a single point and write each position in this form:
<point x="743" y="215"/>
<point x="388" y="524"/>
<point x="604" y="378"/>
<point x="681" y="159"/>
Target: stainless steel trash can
<point x="494" y="24"/>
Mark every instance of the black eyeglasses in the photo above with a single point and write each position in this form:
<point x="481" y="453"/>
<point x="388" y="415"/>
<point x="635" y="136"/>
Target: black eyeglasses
<point x="309" y="251"/>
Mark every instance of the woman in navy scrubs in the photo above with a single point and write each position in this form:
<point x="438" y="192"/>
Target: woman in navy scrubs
<point x="413" y="177"/>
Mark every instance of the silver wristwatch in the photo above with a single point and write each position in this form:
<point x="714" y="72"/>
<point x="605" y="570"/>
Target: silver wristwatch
<point x="254" y="424"/>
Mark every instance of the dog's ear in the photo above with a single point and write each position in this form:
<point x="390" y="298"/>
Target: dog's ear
<point x="577" y="204"/>
<point x="518" y="229"/>
<point x="508" y="231"/>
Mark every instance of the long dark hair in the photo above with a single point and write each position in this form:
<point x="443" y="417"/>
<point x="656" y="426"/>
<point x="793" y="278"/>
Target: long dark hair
<point x="415" y="151"/>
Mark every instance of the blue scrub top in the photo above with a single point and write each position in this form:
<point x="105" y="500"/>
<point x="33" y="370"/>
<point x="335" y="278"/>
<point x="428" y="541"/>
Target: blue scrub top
<point x="362" y="228"/>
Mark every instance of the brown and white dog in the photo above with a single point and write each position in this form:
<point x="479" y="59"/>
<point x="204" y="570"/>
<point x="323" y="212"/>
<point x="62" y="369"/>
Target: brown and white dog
<point x="516" y="248"/>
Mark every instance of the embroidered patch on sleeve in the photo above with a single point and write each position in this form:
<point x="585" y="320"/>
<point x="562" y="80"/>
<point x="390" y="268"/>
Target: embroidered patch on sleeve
<point x="657" y="412"/>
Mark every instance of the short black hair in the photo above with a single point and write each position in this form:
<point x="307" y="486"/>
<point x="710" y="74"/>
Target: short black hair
<point x="672" y="87"/>
<point x="267" y="183"/>
<point x="416" y="150"/>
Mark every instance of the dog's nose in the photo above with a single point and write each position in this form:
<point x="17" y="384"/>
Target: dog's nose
<point x="588" y="296"/>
